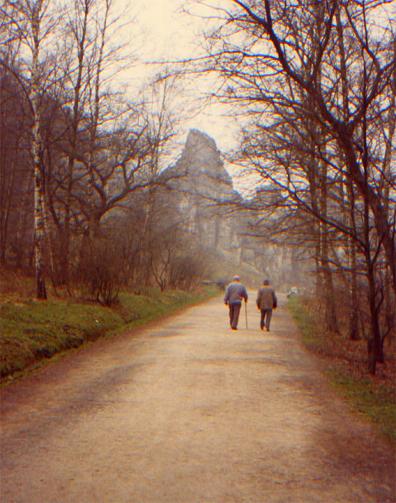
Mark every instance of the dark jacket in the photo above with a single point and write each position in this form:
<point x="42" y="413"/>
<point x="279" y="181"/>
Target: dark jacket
<point x="234" y="293"/>
<point x="266" y="298"/>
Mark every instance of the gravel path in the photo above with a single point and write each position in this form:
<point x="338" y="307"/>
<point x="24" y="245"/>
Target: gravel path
<point x="188" y="411"/>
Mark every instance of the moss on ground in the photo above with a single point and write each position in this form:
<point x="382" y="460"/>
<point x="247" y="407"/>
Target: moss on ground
<point x="34" y="330"/>
<point x="375" y="399"/>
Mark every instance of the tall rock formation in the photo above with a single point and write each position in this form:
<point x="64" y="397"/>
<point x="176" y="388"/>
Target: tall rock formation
<point x="213" y="212"/>
<point x="204" y="190"/>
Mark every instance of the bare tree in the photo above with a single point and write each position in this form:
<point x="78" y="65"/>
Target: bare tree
<point x="15" y="172"/>
<point x="29" y="24"/>
<point x="315" y="81"/>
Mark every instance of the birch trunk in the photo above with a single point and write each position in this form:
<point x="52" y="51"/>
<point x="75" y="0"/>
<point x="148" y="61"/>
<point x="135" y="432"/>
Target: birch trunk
<point x="39" y="224"/>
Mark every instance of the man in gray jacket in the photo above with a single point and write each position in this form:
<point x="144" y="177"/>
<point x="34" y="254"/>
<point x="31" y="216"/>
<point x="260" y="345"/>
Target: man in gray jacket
<point x="266" y="301"/>
<point x="234" y="294"/>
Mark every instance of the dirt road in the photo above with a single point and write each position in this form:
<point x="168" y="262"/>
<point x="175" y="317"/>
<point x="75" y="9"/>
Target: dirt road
<point x="189" y="411"/>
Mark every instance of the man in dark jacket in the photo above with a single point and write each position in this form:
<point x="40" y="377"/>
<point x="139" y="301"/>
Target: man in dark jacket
<point x="234" y="294"/>
<point x="266" y="301"/>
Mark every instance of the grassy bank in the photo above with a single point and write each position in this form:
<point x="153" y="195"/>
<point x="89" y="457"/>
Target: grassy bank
<point x="372" y="396"/>
<point x="32" y="331"/>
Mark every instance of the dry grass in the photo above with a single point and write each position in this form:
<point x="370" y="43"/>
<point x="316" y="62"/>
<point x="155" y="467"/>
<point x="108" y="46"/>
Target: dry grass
<point x="346" y="353"/>
<point x="15" y="285"/>
<point x="346" y="364"/>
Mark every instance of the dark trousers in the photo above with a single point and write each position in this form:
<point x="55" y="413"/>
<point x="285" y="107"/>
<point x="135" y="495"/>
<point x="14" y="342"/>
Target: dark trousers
<point x="266" y="315"/>
<point x="234" y="314"/>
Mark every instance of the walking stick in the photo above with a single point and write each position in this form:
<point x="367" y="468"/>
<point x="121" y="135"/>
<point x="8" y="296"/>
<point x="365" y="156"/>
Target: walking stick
<point x="246" y="315"/>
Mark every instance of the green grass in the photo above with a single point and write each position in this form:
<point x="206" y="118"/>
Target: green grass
<point x="376" y="401"/>
<point x="33" y="331"/>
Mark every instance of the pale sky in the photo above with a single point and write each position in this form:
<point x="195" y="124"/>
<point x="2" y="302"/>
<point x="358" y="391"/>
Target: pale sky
<point x="168" y="33"/>
<point x="162" y="31"/>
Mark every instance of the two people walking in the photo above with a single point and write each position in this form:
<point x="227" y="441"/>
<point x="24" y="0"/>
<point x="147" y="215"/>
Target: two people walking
<point x="266" y="301"/>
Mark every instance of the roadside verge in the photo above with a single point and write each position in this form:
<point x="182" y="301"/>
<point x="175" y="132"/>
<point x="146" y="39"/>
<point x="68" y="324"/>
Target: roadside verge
<point x="344" y="362"/>
<point x="31" y="332"/>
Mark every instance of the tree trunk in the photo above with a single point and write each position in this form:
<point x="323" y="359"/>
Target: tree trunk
<point x="331" y="318"/>
<point x="354" y="308"/>
<point x="39" y="227"/>
<point x="328" y="284"/>
<point x="354" y="300"/>
<point x="39" y="224"/>
<point x="375" y="353"/>
<point x="350" y="213"/>
<point x="75" y="123"/>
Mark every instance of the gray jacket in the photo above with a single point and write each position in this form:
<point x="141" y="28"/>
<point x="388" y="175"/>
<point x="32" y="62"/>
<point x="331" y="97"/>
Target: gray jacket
<point x="266" y="298"/>
<point x="234" y="293"/>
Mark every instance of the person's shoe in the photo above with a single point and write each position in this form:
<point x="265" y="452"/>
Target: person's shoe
<point x="234" y="328"/>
